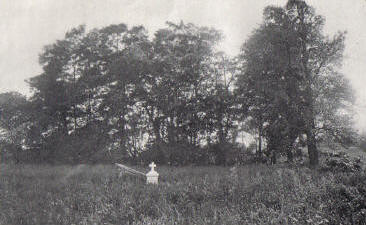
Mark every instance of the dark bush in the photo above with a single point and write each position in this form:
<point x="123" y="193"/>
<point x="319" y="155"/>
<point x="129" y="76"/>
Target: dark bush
<point x="225" y="153"/>
<point x="341" y="162"/>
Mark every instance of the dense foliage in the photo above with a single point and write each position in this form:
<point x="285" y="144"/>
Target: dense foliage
<point x="290" y="83"/>
<point x="114" y="93"/>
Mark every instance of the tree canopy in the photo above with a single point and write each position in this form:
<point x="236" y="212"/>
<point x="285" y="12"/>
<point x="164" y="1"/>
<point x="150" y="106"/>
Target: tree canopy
<point x="114" y="91"/>
<point x="290" y="79"/>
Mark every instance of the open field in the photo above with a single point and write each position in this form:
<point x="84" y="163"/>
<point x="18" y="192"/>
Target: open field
<point x="253" y="194"/>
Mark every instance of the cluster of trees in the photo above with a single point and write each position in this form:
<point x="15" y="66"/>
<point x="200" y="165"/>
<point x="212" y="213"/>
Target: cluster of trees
<point x="114" y="91"/>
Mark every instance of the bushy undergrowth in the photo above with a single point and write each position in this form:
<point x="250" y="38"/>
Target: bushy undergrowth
<point x="253" y="194"/>
<point x="341" y="162"/>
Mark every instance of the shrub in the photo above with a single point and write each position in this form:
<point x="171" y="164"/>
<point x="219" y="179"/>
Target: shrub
<point x="341" y="162"/>
<point x="224" y="153"/>
<point x="347" y="199"/>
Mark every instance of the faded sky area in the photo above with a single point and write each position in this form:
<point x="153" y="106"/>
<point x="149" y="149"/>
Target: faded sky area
<point x="28" y="25"/>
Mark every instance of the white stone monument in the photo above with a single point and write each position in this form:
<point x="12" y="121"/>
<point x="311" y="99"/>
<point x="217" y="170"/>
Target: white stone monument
<point x="152" y="176"/>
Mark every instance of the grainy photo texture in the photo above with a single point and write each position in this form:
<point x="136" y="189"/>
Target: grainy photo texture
<point x="182" y="112"/>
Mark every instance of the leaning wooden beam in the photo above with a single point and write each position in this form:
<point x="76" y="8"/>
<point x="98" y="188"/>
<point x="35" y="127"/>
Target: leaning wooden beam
<point x="129" y="170"/>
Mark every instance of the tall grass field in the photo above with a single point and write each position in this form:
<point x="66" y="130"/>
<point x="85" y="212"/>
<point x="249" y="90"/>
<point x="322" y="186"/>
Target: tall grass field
<point x="252" y="194"/>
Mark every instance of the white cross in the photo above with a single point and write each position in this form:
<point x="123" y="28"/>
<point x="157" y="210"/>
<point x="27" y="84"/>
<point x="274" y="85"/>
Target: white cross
<point x="152" y="166"/>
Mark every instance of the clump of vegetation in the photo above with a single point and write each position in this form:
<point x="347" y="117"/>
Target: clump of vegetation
<point x="348" y="198"/>
<point x="341" y="162"/>
<point x="253" y="194"/>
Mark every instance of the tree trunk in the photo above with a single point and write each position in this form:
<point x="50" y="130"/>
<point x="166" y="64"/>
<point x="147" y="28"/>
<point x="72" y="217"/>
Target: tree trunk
<point x="310" y="126"/>
<point x="312" y="149"/>
<point x="156" y="130"/>
<point x="310" y="134"/>
<point x="64" y="123"/>
<point x="260" y="130"/>
<point x="310" y="118"/>
<point x="74" y="100"/>
<point x="273" y="157"/>
<point x="290" y="156"/>
<point x="271" y="149"/>
<point x="289" y="145"/>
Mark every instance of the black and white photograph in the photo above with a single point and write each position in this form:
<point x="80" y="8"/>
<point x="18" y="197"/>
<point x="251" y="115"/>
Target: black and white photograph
<point x="182" y="112"/>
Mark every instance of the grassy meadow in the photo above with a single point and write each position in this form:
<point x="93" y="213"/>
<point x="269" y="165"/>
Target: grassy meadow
<point x="251" y="194"/>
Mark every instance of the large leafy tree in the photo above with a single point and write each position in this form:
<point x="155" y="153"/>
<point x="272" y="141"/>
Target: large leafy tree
<point x="88" y="81"/>
<point x="266" y="87"/>
<point x="319" y="59"/>
<point x="290" y="70"/>
<point x="56" y="91"/>
<point x="177" y="86"/>
<point x="128" y="66"/>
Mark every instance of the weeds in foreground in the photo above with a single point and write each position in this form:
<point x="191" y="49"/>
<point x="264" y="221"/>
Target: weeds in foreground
<point x="253" y="194"/>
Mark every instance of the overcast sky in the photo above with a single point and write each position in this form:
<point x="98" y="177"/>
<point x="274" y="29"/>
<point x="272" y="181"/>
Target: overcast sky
<point x="28" y="25"/>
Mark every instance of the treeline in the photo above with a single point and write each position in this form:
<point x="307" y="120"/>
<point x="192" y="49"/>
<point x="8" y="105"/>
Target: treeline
<point x="114" y="93"/>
